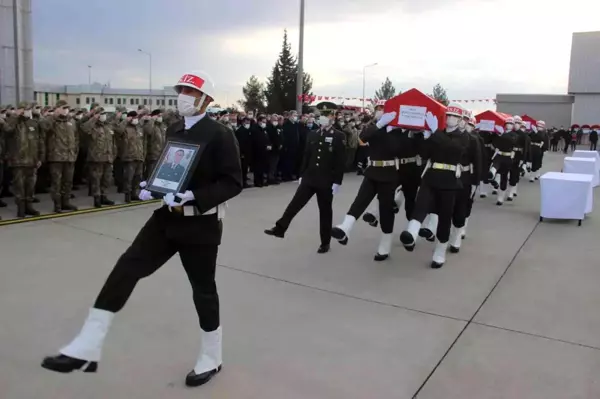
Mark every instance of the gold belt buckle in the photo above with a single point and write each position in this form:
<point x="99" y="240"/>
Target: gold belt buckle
<point x="178" y="209"/>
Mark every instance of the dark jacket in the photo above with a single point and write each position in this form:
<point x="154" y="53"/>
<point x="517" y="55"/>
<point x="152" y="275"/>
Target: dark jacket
<point x="324" y="158"/>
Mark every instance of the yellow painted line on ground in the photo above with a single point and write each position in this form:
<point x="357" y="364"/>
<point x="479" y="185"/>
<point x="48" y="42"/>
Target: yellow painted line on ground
<point x="73" y="213"/>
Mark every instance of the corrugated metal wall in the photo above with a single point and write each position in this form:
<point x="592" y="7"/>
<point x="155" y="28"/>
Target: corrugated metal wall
<point x="584" y="72"/>
<point x="586" y="109"/>
<point x="555" y="110"/>
<point x="13" y="54"/>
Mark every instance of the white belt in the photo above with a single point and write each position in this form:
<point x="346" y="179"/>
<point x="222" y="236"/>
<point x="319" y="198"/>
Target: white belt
<point x="382" y="164"/>
<point x="191" y="210"/>
<point x="442" y="166"/>
<point x="537" y="144"/>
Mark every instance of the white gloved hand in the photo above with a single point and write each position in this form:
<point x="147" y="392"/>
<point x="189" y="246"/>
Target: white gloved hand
<point x="300" y="181"/>
<point x="426" y="134"/>
<point x="335" y="188"/>
<point x="143" y="184"/>
<point x="390" y="128"/>
<point x="385" y="119"/>
<point x="185" y="197"/>
<point x="145" y="195"/>
<point x="534" y="128"/>
<point x="499" y="129"/>
<point x="169" y="200"/>
<point x="432" y="121"/>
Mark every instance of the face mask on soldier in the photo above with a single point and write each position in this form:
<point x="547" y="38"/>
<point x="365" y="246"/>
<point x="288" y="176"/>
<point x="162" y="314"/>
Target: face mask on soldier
<point x="135" y="122"/>
<point x="123" y="117"/>
<point x="37" y="111"/>
<point x="247" y="126"/>
<point x="78" y="117"/>
<point x="159" y="119"/>
<point x="28" y="114"/>
<point x="102" y="118"/>
<point x="378" y="114"/>
<point x="275" y="123"/>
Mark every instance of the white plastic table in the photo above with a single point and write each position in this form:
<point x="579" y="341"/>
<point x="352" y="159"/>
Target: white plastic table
<point x="588" y="154"/>
<point x="584" y="166"/>
<point x="566" y="196"/>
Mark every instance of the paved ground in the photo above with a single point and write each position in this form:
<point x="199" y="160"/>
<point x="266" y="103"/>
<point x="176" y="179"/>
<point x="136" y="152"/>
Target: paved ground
<point x="514" y="315"/>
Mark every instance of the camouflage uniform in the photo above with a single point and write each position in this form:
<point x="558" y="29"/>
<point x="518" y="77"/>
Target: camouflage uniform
<point x="25" y="152"/>
<point x="154" y="132"/>
<point x="62" y="146"/>
<point x="100" y="156"/>
<point x="132" y="148"/>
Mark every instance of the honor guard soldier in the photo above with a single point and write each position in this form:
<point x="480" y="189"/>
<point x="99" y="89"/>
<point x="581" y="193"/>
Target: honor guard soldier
<point x="504" y="144"/>
<point x="188" y="223"/>
<point x="441" y="180"/>
<point x="322" y="172"/>
<point x="539" y="145"/>
<point x="520" y="165"/>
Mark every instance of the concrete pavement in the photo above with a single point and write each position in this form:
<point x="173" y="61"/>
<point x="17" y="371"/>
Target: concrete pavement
<point x="514" y="315"/>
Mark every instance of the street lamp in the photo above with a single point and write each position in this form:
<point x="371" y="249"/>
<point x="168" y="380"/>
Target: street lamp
<point x="90" y="75"/>
<point x="300" y="76"/>
<point x="150" y="79"/>
<point x="364" y="83"/>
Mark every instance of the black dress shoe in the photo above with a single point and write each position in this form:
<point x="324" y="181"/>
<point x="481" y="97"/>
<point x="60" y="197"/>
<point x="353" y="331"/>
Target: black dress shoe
<point x="435" y="265"/>
<point x="454" y="250"/>
<point x="275" y="232"/>
<point x="427" y="234"/>
<point x="66" y="364"/>
<point x="379" y="258"/>
<point x="408" y="241"/>
<point x="339" y="235"/>
<point x="323" y="249"/>
<point x="370" y="218"/>
<point x="195" y="380"/>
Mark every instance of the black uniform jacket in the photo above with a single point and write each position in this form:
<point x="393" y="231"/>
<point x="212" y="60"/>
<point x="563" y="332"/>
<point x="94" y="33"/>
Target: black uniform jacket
<point x="473" y="158"/>
<point x="539" y="143"/>
<point x="444" y="148"/>
<point x="505" y="142"/>
<point x="524" y="143"/>
<point x="324" y="158"/>
<point x="218" y="173"/>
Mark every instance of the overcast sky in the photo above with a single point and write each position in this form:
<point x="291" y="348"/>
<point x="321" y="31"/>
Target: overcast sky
<point x="475" y="49"/>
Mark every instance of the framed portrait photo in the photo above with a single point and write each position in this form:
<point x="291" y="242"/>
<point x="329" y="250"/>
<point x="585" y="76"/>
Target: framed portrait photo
<point x="174" y="168"/>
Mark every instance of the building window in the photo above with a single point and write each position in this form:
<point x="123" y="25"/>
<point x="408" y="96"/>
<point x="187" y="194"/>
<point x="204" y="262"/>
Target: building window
<point x="105" y="100"/>
<point x="170" y="102"/>
<point x="78" y="101"/>
<point x="118" y="101"/>
<point x="93" y="99"/>
<point x="124" y="101"/>
<point x="87" y="100"/>
<point x="131" y="101"/>
<point x="45" y="98"/>
<point x="137" y="101"/>
<point x="57" y="97"/>
<point x="145" y="101"/>
<point x="110" y="101"/>
<point x="150" y="101"/>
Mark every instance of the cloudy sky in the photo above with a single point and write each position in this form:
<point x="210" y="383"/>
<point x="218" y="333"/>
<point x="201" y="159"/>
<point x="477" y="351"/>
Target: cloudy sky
<point x="474" y="48"/>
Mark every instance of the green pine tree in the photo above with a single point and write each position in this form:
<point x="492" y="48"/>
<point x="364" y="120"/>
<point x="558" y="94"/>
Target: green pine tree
<point x="439" y="93"/>
<point x="386" y="91"/>
<point x="254" y="95"/>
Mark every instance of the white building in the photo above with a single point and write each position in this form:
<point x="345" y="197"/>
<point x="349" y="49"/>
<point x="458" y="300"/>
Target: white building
<point x="82" y="96"/>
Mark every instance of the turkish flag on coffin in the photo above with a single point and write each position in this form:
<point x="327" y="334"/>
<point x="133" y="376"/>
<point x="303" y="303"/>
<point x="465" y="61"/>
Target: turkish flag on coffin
<point x="488" y="120"/>
<point x="411" y="107"/>
<point x="528" y="121"/>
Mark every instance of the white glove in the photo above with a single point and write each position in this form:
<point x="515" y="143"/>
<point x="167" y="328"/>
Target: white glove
<point x="185" y="197"/>
<point x="534" y="128"/>
<point x="300" y="181"/>
<point x="426" y="134"/>
<point x="390" y="128"/>
<point x="145" y="195"/>
<point x="499" y="129"/>
<point x="335" y="188"/>
<point x="143" y="184"/>
<point x="432" y="121"/>
<point x="386" y="119"/>
<point x="169" y="200"/>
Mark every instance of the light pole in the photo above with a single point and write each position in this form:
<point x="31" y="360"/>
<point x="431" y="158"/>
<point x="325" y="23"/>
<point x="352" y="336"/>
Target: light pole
<point x="364" y="83"/>
<point x="90" y="75"/>
<point x="300" y="77"/>
<point x="150" y="77"/>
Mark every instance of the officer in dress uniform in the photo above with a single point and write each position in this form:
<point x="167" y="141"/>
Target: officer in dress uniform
<point x="502" y="160"/>
<point x="381" y="180"/>
<point x="322" y="173"/>
<point x="188" y="223"/>
<point x="520" y="165"/>
<point x="173" y="170"/>
<point x="440" y="181"/>
<point x="488" y="152"/>
<point x="539" y="145"/>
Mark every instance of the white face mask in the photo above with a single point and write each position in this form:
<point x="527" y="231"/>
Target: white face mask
<point x="185" y="105"/>
<point x="247" y="126"/>
<point x="452" y="121"/>
<point x="294" y="118"/>
<point x="342" y="124"/>
<point x="462" y="124"/>
<point x="275" y="123"/>
<point x="37" y="111"/>
<point x="378" y="114"/>
<point x="135" y="122"/>
<point x="469" y="128"/>
<point x="28" y="114"/>
<point x="250" y="116"/>
<point x="78" y="116"/>
<point x="159" y="119"/>
<point x="509" y="127"/>
<point x="102" y="118"/>
<point x="262" y="125"/>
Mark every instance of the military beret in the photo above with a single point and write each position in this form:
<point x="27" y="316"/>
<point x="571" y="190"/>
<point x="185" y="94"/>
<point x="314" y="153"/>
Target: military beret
<point x="24" y="105"/>
<point x="132" y="114"/>
<point x="156" y="112"/>
<point x="61" y="103"/>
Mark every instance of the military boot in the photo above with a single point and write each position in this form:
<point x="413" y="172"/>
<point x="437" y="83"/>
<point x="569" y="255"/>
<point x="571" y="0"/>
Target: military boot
<point x="67" y="206"/>
<point x="105" y="201"/>
<point x="127" y="198"/>
<point x="97" y="202"/>
<point x="57" y="207"/>
<point x="2" y="204"/>
<point x="30" y="210"/>
<point x="20" y="209"/>
<point x="134" y="197"/>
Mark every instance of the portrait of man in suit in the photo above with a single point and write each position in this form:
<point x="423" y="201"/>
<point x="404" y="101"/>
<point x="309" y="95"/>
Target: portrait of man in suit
<point x="171" y="169"/>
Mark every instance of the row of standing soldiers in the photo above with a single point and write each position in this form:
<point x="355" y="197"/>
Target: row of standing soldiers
<point x="57" y="145"/>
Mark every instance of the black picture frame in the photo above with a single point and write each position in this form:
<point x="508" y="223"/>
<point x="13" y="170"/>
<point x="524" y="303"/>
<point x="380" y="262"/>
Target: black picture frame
<point x="171" y="175"/>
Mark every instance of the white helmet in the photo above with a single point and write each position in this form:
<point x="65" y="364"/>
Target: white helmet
<point x="541" y="124"/>
<point x="455" y="109"/>
<point x="510" y="120"/>
<point x="518" y="119"/>
<point x="198" y="80"/>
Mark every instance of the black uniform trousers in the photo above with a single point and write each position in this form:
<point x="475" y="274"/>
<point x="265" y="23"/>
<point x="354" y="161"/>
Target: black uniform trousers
<point x="409" y="180"/>
<point x="503" y="165"/>
<point x="324" y="199"/>
<point x="440" y="202"/>
<point x="461" y="205"/>
<point x="593" y="145"/>
<point x="165" y="234"/>
<point x="515" y="170"/>
<point x="385" y="194"/>
<point x="287" y="163"/>
<point x="260" y="168"/>
<point x="536" y="158"/>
